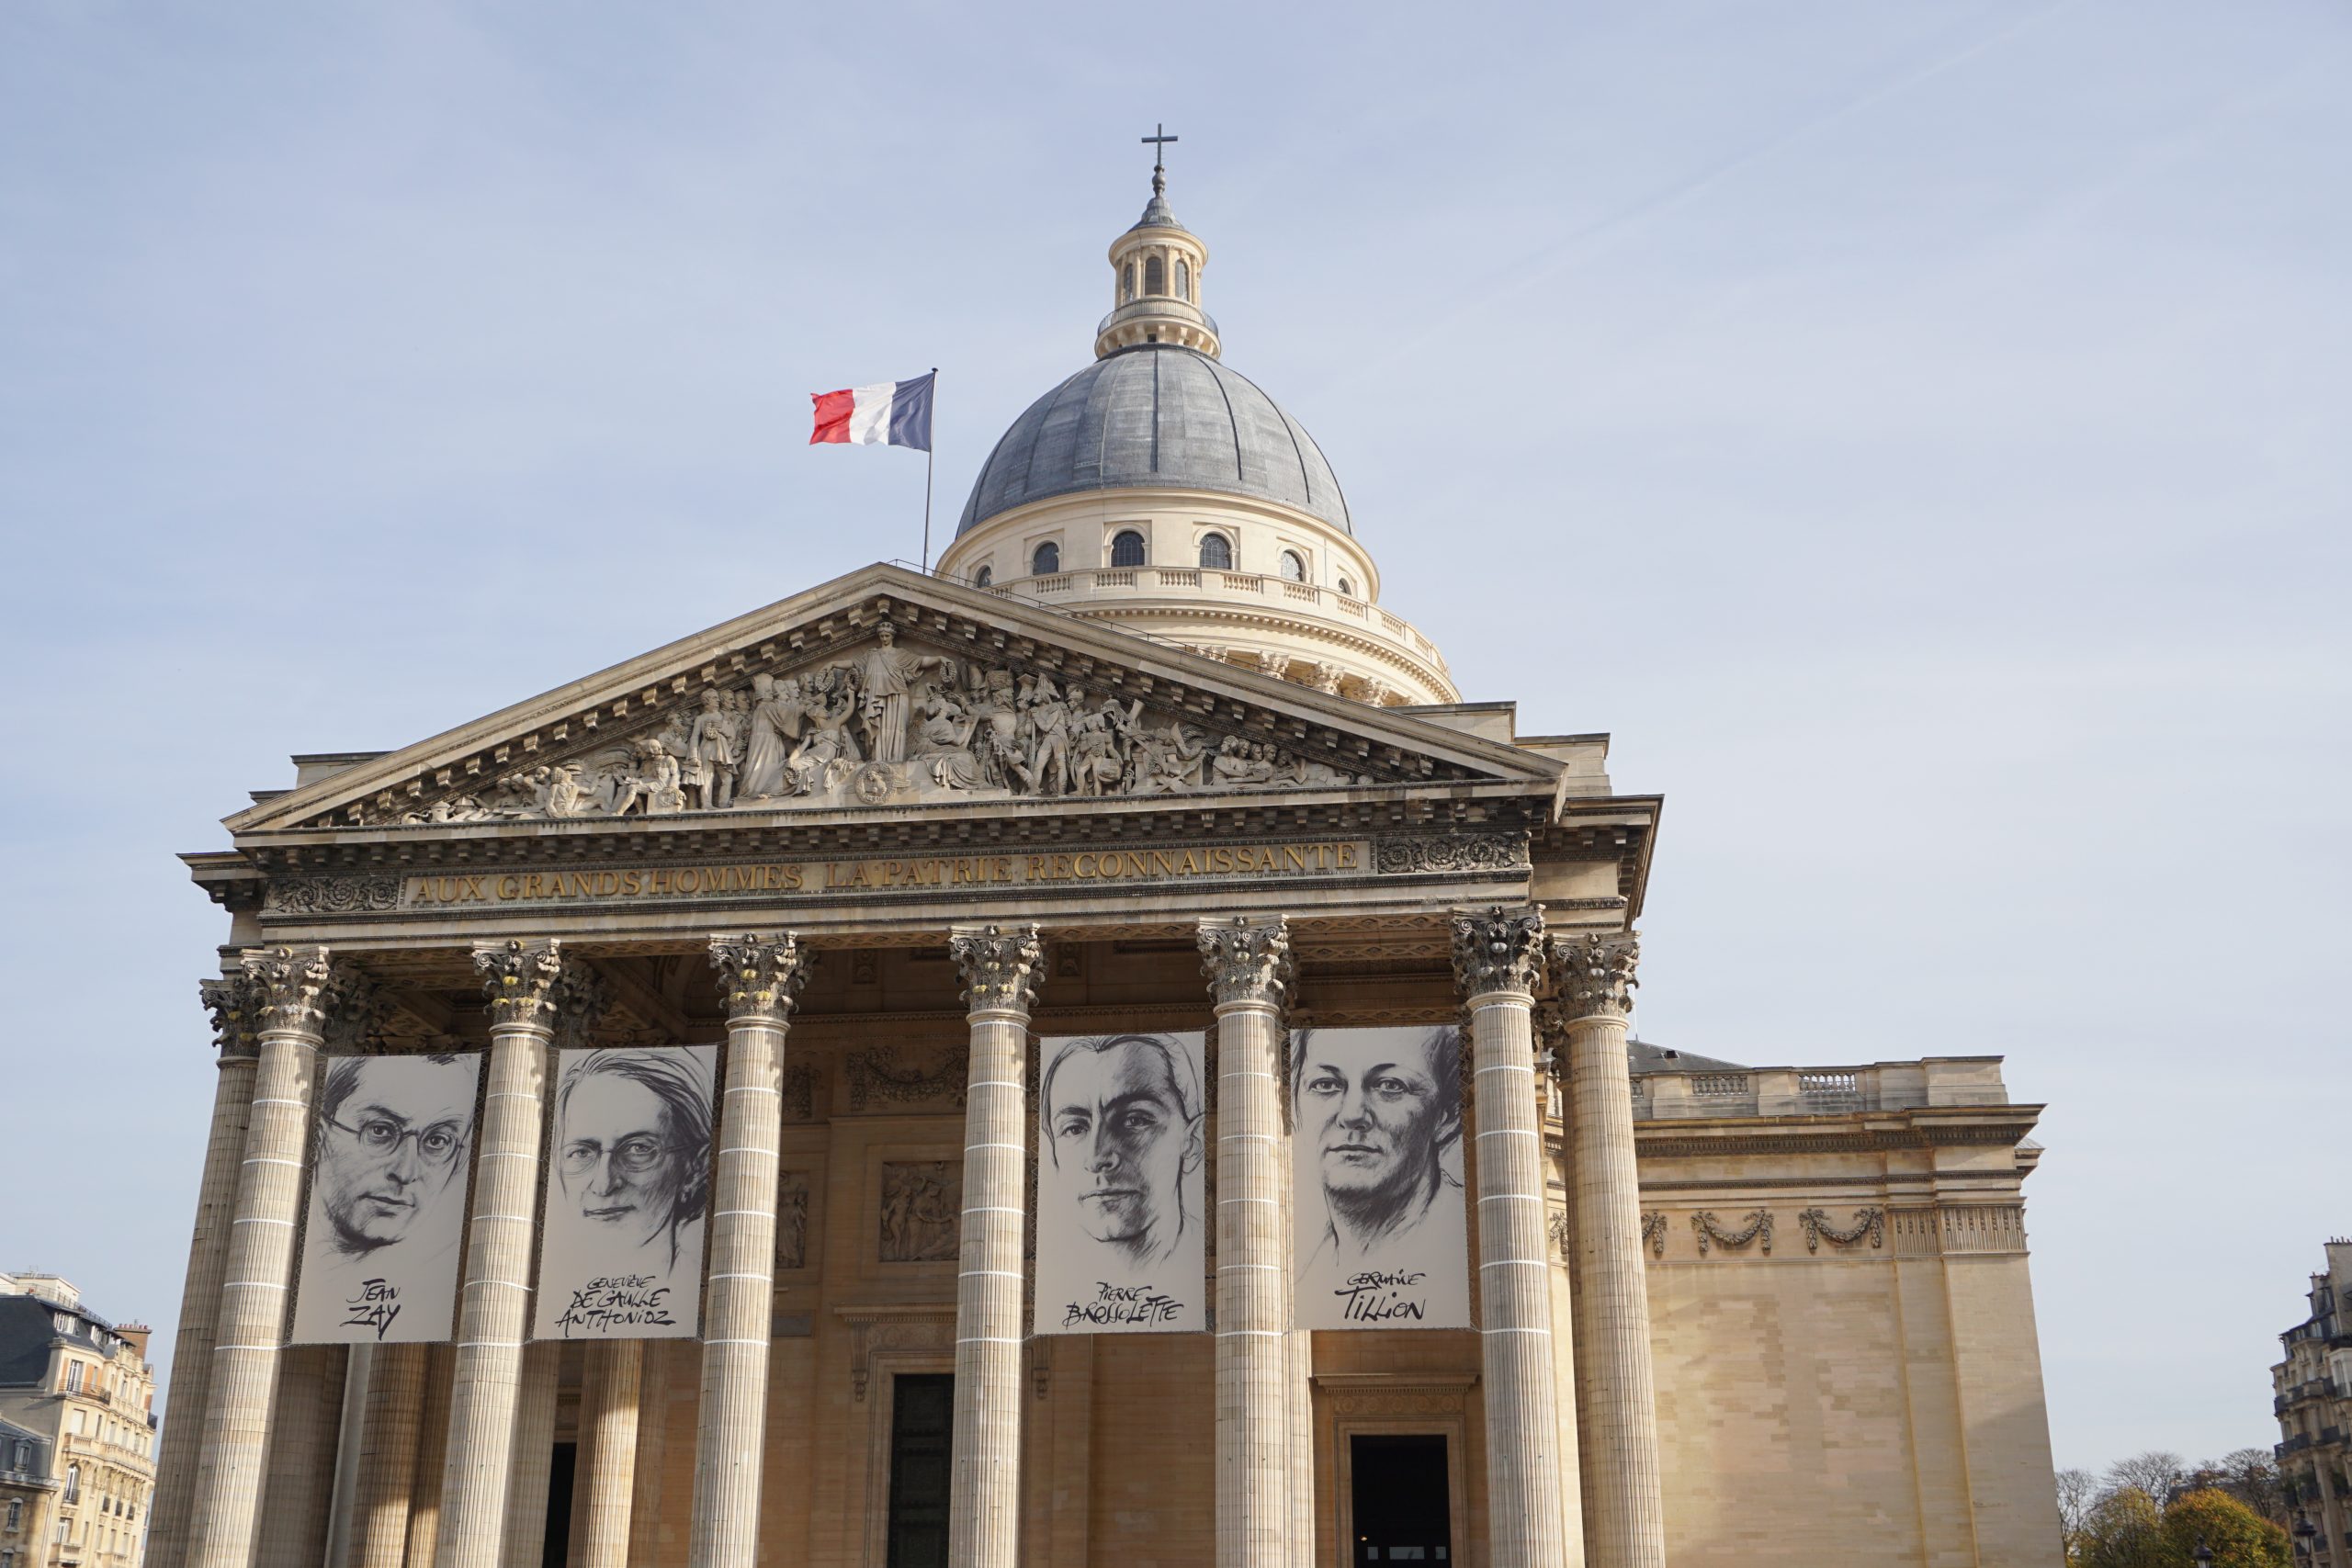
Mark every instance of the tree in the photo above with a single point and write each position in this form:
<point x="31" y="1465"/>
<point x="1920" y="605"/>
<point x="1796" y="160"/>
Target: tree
<point x="2250" y="1475"/>
<point x="2078" y="1493"/>
<point x="2124" y="1529"/>
<point x="2156" y="1472"/>
<point x="2238" y="1537"/>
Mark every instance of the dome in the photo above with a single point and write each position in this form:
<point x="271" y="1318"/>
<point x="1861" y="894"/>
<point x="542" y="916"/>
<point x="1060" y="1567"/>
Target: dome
<point x="1159" y="416"/>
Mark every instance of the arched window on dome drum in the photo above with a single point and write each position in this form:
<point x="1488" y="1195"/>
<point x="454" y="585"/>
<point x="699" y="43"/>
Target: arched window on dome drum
<point x="1126" y="547"/>
<point x="1216" y="551"/>
<point x="1294" y="567"/>
<point x="983" y="577"/>
<point x="1155" y="276"/>
<point x="1347" y="587"/>
<point x="1046" y="559"/>
<point x="1126" y="282"/>
<point x="1183" y="279"/>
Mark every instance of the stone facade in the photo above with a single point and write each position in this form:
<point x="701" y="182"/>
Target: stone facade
<point x="2312" y="1395"/>
<point x="77" y="1430"/>
<point x="873" y="841"/>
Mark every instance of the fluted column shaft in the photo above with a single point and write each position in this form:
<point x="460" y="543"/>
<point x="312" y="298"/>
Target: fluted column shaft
<point x="759" y="977"/>
<point x="388" y="1434"/>
<point x="306" y="1420"/>
<point x="1592" y="978"/>
<point x="351" y="1433"/>
<point x="1248" y="963"/>
<point x="285" y="987"/>
<point x="1498" y="956"/>
<point x="493" y="1312"/>
<point x="208" y="1263"/>
<point x="432" y="1448"/>
<point x="1000" y="971"/>
<point x="608" y="1415"/>
<point x="530" y="1468"/>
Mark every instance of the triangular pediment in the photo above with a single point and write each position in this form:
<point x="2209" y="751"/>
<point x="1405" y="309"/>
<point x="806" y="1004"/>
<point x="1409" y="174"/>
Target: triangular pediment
<point x="887" y="689"/>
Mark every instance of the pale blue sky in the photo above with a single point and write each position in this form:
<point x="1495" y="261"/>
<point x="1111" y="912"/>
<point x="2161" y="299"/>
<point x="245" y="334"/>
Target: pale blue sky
<point x="1916" y="431"/>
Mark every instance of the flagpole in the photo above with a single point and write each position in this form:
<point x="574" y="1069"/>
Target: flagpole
<point x="930" y="459"/>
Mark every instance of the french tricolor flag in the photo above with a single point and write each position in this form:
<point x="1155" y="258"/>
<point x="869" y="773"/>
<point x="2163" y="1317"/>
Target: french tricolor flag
<point x="896" y="413"/>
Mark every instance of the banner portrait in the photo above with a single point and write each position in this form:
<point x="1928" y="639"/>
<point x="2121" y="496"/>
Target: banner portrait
<point x="1121" y="1246"/>
<point x="629" y="1192"/>
<point x="389" y="1146"/>
<point x="1380" y="1221"/>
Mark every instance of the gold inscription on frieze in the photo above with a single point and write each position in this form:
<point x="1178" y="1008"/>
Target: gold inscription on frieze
<point x="1323" y="857"/>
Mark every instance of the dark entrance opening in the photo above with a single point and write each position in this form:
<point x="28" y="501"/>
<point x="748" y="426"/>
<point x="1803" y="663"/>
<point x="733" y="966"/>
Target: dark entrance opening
<point x="556" y="1548"/>
<point x="923" y="1419"/>
<point x="1401" y="1502"/>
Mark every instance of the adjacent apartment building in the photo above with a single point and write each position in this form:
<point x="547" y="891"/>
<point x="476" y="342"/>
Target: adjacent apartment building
<point x="2311" y="1393"/>
<point x="77" y="1430"/>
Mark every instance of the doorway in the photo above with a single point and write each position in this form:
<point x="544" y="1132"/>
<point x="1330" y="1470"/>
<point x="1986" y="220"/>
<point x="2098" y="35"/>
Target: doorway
<point x="1400" y="1502"/>
<point x="923" y="1420"/>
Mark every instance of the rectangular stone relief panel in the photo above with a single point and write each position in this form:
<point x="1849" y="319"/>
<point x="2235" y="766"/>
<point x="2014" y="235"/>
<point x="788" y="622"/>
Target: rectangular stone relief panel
<point x="922" y="1202"/>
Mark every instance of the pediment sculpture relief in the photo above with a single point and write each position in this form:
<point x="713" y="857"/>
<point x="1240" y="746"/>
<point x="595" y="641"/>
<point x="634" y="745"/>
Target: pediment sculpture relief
<point x="889" y="724"/>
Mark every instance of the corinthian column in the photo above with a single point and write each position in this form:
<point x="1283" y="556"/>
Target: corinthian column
<point x="999" y="970"/>
<point x="530" y="1468"/>
<point x="1592" y="981"/>
<point x="760" y="977"/>
<point x="1497" y="955"/>
<point x="283" y="992"/>
<point x="608" y="1485"/>
<point x="1247" y="964"/>
<point x="529" y="986"/>
<point x="236" y="1025"/>
<point x="389" y="1431"/>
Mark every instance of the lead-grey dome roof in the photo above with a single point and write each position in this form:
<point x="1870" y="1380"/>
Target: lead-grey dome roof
<point x="1162" y="416"/>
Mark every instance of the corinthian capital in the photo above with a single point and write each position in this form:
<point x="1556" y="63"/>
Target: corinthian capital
<point x="1500" y="948"/>
<point x="234" y="1002"/>
<point x="760" y="977"/>
<point x="1592" y="973"/>
<point x="353" y="1009"/>
<point x="1247" y="960"/>
<point x="580" y="998"/>
<point x="1000" y="967"/>
<point x="282" y="987"/>
<point x="519" y="977"/>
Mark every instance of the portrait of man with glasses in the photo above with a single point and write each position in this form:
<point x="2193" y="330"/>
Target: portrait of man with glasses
<point x="388" y="1150"/>
<point x="628" y="1187"/>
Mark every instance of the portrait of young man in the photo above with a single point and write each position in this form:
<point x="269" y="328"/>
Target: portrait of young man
<point x="1381" y="1225"/>
<point x="390" y="1143"/>
<point x="1120" y="1245"/>
<point x="628" y="1192"/>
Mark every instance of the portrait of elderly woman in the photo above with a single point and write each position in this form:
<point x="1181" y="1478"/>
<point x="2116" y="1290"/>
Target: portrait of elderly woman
<point x="380" y="1247"/>
<point x="628" y="1171"/>
<point x="1120" y="1245"/>
<point x="1381" y="1227"/>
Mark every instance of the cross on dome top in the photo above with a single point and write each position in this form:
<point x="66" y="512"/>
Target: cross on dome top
<point x="1158" y="141"/>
